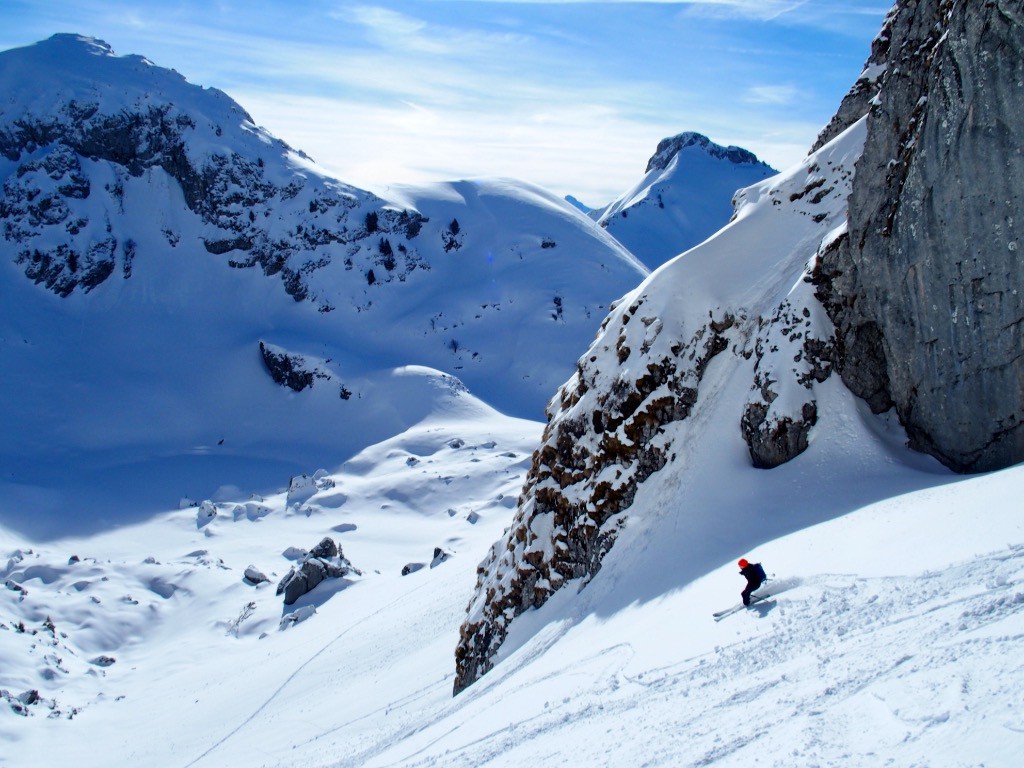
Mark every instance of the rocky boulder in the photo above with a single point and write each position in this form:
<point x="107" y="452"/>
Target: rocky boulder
<point x="324" y="561"/>
<point x="254" y="575"/>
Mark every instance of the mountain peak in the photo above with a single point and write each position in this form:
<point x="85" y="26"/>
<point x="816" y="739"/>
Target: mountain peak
<point x="684" y="197"/>
<point x="670" y="147"/>
<point x="75" y="43"/>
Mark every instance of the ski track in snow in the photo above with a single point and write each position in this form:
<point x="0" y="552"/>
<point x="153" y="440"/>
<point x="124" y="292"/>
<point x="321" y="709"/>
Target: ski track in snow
<point x="840" y="652"/>
<point x="299" y="669"/>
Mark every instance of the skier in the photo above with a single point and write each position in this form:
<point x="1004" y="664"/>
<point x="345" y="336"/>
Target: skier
<point x="755" y="576"/>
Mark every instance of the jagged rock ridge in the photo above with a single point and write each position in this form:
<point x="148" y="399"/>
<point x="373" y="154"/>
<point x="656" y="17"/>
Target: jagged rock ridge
<point x="672" y="146"/>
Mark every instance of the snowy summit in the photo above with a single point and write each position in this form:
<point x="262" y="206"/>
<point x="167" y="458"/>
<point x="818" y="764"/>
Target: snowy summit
<point x="685" y="196"/>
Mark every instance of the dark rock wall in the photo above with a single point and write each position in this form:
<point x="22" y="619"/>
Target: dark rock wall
<point x="928" y="290"/>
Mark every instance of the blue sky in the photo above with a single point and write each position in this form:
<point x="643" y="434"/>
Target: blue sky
<point x="570" y="94"/>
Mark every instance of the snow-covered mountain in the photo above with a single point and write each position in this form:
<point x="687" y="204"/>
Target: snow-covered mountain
<point x="685" y="196"/>
<point x="722" y="355"/>
<point x="894" y="620"/>
<point x="190" y="303"/>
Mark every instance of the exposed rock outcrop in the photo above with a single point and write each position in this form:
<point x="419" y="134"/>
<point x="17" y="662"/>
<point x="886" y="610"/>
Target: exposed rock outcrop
<point x="324" y="561"/>
<point x="286" y="370"/>
<point x="928" y="289"/>
<point x="670" y="147"/>
<point x="297" y="373"/>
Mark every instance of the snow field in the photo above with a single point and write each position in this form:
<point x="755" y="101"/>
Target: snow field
<point x="897" y="666"/>
<point x="196" y="645"/>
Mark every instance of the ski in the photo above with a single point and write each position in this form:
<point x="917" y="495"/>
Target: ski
<point x="719" y="615"/>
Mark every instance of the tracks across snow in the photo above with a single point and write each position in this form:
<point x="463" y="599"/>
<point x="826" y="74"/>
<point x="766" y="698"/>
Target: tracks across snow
<point x="840" y="670"/>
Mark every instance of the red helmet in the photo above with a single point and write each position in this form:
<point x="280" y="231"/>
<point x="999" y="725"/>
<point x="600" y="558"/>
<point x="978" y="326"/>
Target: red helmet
<point x="743" y="562"/>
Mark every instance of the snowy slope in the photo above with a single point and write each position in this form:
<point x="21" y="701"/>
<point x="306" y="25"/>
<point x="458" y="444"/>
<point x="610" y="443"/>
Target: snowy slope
<point x="154" y="238"/>
<point x="685" y="196"/>
<point x="892" y="637"/>
<point x="166" y="597"/>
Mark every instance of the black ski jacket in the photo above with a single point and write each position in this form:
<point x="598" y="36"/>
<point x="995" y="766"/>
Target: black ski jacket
<point x="752" y="573"/>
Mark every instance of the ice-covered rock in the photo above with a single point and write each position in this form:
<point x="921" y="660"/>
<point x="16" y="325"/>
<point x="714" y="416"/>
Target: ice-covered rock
<point x="296" y="617"/>
<point x="440" y="556"/>
<point x="206" y="514"/>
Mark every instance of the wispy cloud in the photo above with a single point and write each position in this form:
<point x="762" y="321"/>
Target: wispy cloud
<point x="381" y="91"/>
<point x="825" y="13"/>
<point x="395" y="31"/>
<point x="777" y="95"/>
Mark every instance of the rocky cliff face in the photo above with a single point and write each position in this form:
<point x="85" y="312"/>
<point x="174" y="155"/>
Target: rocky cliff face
<point x="926" y="290"/>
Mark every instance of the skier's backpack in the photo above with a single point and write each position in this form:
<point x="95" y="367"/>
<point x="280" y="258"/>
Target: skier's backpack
<point x="759" y="570"/>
